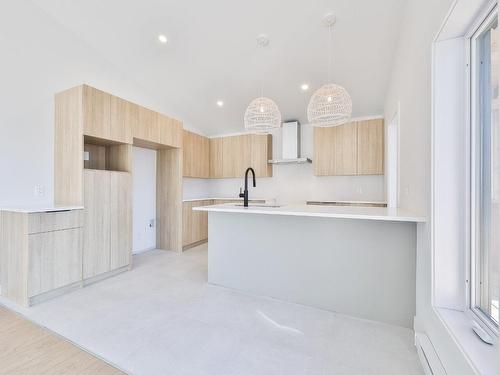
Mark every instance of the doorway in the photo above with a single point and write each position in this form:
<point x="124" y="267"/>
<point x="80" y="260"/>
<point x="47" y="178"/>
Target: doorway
<point x="144" y="199"/>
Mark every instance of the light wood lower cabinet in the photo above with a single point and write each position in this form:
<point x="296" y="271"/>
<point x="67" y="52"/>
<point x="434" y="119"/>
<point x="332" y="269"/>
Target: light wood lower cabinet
<point x="55" y="260"/>
<point x="121" y="220"/>
<point x="96" y="244"/>
<point x="194" y="223"/>
<point x="108" y="226"/>
<point x="40" y="253"/>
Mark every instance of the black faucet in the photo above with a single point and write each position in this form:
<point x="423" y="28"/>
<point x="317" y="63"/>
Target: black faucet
<point x="244" y="195"/>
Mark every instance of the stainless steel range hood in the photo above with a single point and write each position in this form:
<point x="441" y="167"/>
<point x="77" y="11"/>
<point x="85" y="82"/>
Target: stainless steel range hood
<point x="290" y="145"/>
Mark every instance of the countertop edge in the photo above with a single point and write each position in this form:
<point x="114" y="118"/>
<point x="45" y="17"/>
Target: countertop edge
<point x="334" y="215"/>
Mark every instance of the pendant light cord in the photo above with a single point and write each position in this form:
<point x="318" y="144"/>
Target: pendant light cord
<point x="329" y="52"/>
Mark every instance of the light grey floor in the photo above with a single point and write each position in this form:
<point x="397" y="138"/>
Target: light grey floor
<point x="163" y="318"/>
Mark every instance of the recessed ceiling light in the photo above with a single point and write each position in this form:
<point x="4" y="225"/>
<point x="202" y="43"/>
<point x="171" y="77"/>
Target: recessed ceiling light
<point x="162" y="38"/>
<point x="304" y="87"/>
<point x="220" y="103"/>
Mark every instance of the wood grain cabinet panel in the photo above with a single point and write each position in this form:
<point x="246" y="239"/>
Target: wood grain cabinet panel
<point x="55" y="260"/>
<point x="123" y="118"/>
<point x="96" y="244"/>
<point x="216" y="158"/>
<point x="96" y="113"/>
<point x="121" y="220"/>
<point x="355" y="148"/>
<point x="170" y="131"/>
<point x="194" y="223"/>
<point x="236" y="152"/>
<point x="147" y="127"/>
<point x="196" y="155"/>
<point x="261" y="153"/>
<point x="370" y="147"/>
<point x="335" y="150"/>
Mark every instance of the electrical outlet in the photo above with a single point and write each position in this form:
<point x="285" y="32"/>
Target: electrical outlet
<point x="359" y="190"/>
<point x="152" y="223"/>
<point x="39" y="190"/>
<point x="406" y="190"/>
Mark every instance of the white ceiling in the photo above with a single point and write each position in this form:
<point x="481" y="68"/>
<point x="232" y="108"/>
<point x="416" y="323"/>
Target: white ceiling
<point x="212" y="52"/>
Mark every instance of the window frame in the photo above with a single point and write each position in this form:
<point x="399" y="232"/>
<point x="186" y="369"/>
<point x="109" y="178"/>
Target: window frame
<point x="473" y="110"/>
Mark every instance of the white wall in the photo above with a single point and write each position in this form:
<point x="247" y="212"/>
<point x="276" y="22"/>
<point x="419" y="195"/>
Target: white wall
<point x="293" y="183"/>
<point x="39" y="58"/>
<point x="144" y="199"/>
<point x="411" y="86"/>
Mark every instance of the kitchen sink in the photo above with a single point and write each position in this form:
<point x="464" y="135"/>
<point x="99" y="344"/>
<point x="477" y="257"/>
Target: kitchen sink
<point x="260" y="205"/>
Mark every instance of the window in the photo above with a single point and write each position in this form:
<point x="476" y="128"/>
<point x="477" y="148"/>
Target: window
<point x="485" y="172"/>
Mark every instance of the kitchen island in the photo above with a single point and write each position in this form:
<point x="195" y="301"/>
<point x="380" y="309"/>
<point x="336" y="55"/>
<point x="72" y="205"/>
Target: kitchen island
<point x="358" y="261"/>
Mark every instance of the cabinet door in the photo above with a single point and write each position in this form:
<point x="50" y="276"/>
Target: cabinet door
<point x="187" y="223"/>
<point x="96" y="113"/>
<point x="196" y="155"/>
<point x="261" y="152"/>
<point x="55" y="260"/>
<point x="96" y="241"/>
<point x="146" y="128"/>
<point x="236" y="152"/>
<point x="216" y="158"/>
<point x="121" y="219"/>
<point x="371" y="147"/>
<point x="335" y="150"/>
<point x="170" y="131"/>
<point x="188" y="157"/>
<point x="123" y="115"/>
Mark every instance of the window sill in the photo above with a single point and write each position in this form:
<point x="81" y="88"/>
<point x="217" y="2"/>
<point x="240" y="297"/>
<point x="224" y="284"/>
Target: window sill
<point x="481" y="355"/>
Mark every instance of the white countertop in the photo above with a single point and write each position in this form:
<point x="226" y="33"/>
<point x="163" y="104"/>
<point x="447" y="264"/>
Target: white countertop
<point x="38" y="209"/>
<point x="339" y="212"/>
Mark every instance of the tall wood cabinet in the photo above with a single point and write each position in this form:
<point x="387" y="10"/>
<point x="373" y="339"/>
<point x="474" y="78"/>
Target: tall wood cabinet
<point x="108" y="224"/>
<point x="355" y="148"/>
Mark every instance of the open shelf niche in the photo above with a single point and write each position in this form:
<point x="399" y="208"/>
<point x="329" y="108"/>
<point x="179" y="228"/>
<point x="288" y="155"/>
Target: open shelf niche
<point x="106" y="155"/>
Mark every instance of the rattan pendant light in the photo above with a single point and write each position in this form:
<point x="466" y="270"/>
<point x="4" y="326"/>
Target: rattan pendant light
<point x="331" y="104"/>
<point x="262" y="114"/>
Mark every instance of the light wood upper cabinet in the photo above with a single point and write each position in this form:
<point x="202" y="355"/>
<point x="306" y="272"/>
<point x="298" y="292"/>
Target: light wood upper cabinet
<point x="354" y="148"/>
<point x="371" y="147"/>
<point x="123" y="117"/>
<point x="96" y="113"/>
<point x="335" y="150"/>
<point x="196" y="155"/>
<point x="147" y="127"/>
<point x="261" y="151"/>
<point x="216" y="158"/>
<point x="171" y="134"/>
<point x="236" y="151"/>
<point x="231" y="156"/>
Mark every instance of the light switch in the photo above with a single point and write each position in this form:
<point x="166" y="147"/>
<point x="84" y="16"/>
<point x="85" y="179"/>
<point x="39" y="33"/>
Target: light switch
<point x="86" y="155"/>
<point x="152" y="223"/>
